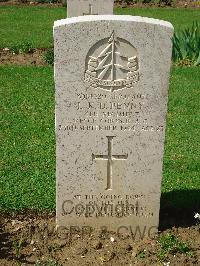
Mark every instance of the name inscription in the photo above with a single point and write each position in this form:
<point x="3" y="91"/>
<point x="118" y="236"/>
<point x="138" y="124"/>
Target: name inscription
<point x="103" y="112"/>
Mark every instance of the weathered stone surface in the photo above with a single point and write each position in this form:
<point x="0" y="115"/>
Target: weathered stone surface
<point x="111" y="76"/>
<point x="77" y="8"/>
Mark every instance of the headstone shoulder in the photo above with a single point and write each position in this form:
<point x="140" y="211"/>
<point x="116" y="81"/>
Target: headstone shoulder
<point x="162" y="23"/>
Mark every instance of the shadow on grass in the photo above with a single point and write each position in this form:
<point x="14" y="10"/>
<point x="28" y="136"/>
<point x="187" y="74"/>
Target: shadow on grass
<point x="178" y="208"/>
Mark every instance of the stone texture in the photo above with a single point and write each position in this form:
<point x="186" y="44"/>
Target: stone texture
<point x="77" y="8"/>
<point x="111" y="76"/>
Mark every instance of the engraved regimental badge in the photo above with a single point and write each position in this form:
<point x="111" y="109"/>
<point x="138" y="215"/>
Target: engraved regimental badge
<point x="112" y="64"/>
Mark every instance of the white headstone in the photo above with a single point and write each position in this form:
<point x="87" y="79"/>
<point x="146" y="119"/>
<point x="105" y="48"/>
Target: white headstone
<point x="77" y="8"/>
<point x="111" y="76"/>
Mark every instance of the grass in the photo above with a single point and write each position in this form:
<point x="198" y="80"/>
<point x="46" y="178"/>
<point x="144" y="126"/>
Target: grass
<point x="34" y="24"/>
<point x="28" y="143"/>
<point x="182" y="156"/>
<point x="169" y="244"/>
<point x="182" y="150"/>
<point x="179" y="17"/>
<point x="28" y="146"/>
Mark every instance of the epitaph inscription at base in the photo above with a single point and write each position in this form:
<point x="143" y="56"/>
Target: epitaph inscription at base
<point x="111" y="76"/>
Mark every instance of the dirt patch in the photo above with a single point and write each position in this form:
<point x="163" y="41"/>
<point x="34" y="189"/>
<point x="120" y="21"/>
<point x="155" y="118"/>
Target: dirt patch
<point x="27" y="238"/>
<point x="29" y="3"/>
<point x="172" y="4"/>
<point x="30" y="59"/>
<point x="122" y="4"/>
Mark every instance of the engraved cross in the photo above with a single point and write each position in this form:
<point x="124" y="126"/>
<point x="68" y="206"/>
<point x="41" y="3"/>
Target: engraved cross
<point x="109" y="158"/>
<point x="90" y="11"/>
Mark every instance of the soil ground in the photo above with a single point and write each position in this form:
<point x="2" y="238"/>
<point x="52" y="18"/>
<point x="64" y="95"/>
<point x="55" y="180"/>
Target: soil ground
<point x="26" y="238"/>
<point x="30" y="59"/>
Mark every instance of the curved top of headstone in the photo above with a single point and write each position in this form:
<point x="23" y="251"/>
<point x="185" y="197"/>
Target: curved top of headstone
<point x="127" y="18"/>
